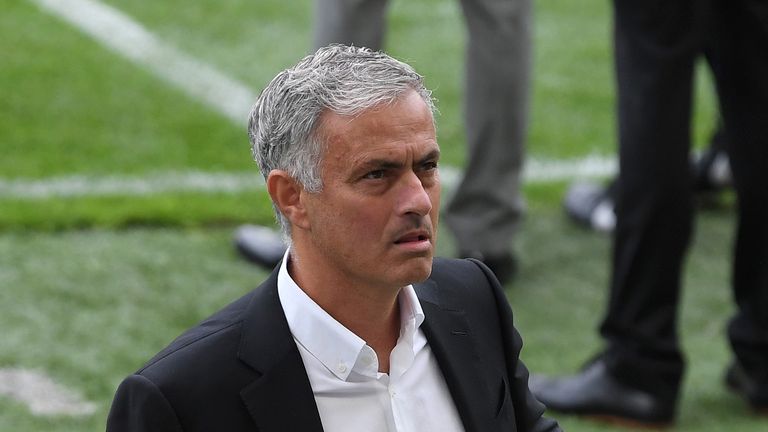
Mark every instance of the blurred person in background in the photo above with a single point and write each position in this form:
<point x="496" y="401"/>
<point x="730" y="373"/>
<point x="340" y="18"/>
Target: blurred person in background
<point x="359" y="327"/>
<point x="637" y="377"/>
<point x="591" y="204"/>
<point x="486" y="209"/>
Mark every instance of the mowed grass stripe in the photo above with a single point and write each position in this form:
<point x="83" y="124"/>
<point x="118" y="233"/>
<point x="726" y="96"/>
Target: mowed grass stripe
<point x="70" y="107"/>
<point x="128" y="38"/>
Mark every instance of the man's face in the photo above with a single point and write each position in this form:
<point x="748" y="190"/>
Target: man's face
<point x="375" y="220"/>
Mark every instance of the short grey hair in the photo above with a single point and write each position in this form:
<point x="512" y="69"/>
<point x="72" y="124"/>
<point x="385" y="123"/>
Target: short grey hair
<point x="284" y="123"/>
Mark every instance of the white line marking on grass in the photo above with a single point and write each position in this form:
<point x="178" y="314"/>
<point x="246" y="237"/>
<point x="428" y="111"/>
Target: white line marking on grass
<point x="151" y="184"/>
<point x="128" y="38"/>
<point x="551" y="170"/>
<point x="536" y="171"/>
<point x="41" y="394"/>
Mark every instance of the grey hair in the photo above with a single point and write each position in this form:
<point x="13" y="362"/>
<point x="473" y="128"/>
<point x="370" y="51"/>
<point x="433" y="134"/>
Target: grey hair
<point x="284" y="123"/>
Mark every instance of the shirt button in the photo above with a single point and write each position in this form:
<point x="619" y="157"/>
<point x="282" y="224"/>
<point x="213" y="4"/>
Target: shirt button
<point x="342" y="368"/>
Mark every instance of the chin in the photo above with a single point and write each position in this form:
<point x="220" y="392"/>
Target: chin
<point x="419" y="270"/>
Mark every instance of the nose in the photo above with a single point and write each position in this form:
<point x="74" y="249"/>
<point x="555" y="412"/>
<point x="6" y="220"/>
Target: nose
<point x="415" y="197"/>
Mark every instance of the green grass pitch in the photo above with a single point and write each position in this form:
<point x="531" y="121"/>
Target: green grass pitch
<point x="94" y="285"/>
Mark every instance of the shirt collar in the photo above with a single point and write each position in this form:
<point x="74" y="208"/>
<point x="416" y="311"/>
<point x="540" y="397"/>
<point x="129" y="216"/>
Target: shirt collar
<point x="335" y="346"/>
<point x="411" y="313"/>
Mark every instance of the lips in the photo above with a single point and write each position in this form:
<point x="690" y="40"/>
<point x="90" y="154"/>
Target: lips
<point x="413" y="237"/>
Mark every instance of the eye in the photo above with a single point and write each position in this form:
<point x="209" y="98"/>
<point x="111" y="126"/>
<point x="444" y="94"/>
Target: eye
<point x="374" y="175"/>
<point x="429" y="166"/>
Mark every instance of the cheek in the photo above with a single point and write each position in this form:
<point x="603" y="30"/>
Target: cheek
<point x="367" y="225"/>
<point x="355" y="221"/>
<point x="367" y="222"/>
<point x="434" y="197"/>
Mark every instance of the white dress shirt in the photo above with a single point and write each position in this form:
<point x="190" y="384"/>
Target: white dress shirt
<point x="351" y="394"/>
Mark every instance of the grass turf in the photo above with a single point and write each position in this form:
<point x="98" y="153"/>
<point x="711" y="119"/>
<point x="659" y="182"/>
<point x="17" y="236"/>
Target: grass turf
<point x="71" y="106"/>
<point x="90" y="306"/>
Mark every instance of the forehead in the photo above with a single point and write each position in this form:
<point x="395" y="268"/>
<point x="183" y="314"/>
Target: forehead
<point x="405" y="122"/>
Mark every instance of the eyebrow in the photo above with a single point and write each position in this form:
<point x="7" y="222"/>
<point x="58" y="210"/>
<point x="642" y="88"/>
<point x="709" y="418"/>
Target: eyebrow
<point x="389" y="164"/>
<point x="434" y="154"/>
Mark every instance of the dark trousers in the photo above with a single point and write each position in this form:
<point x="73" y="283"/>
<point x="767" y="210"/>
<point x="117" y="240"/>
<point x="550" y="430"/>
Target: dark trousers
<point x="657" y="43"/>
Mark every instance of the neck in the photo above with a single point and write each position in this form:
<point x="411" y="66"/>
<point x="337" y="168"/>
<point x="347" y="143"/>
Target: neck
<point x="370" y="312"/>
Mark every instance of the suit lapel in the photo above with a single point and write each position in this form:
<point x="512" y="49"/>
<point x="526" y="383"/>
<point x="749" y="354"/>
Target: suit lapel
<point x="451" y="341"/>
<point x="281" y="399"/>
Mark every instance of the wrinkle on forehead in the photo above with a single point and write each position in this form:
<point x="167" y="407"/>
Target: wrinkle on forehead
<point x="332" y="127"/>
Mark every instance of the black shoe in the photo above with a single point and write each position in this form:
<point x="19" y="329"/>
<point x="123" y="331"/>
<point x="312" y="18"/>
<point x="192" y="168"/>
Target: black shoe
<point x="591" y="205"/>
<point x="712" y="169"/>
<point x="259" y="245"/>
<point x="595" y="393"/>
<point x="739" y="382"/>
<point x="504" y="266"/>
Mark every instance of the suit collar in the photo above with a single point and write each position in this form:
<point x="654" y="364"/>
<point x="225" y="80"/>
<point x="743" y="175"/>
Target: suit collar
<point x="281" y="398"/>
<point x="452" y="343"/>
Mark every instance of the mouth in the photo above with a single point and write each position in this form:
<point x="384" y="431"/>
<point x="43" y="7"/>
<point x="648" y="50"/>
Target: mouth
<point x="414" y="237"/>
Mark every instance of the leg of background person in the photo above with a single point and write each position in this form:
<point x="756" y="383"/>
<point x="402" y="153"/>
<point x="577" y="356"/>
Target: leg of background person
<point x="656" y="45"/>
<point x="487" y="206"/>
<point x="711" y="168"/>
<point x="350" y="22"/>
<point x="741" y="74"/>
<point x="717" y="142"/>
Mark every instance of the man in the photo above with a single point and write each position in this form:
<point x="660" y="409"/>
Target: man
<point x="486" y="209"/>
<point x="357" y="328"/>
<point x="638" y="376"/>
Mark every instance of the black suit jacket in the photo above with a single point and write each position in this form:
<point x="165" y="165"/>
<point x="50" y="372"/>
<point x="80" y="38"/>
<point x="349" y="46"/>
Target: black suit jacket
<point x="240" y="370"/>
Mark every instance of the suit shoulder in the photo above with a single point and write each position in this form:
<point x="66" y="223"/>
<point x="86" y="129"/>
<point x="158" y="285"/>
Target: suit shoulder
<point x="461" y="271"/>
<point x="219" y="335"/>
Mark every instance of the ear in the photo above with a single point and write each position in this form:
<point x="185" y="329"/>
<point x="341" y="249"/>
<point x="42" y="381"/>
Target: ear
<point x="286" y="192"/>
